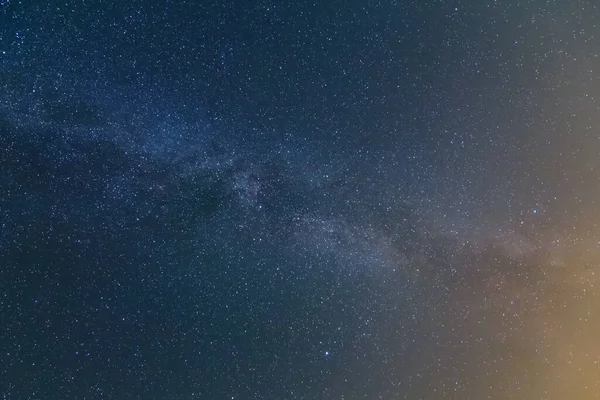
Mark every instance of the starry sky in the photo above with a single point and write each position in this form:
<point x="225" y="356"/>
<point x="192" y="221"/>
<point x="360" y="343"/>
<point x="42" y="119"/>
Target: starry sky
<point x="299" y="200"/>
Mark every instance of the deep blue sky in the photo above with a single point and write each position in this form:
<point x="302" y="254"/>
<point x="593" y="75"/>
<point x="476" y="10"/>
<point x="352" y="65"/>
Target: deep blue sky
<point x="336" y="200"/>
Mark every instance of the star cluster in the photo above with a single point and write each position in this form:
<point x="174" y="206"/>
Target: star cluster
<point x="298" y="200"/>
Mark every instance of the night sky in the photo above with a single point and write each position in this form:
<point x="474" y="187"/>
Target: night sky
<point x="300" y="200"/>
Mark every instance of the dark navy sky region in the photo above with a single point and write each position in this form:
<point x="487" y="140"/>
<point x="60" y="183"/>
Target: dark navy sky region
<point x="299" y="200"/>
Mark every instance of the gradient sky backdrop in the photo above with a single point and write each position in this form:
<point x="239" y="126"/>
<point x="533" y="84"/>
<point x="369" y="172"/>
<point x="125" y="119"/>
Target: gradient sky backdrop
<point x="299" y="200"/>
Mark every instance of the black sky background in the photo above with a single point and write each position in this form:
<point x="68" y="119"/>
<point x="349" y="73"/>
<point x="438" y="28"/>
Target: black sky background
<point x="357" y="200"/>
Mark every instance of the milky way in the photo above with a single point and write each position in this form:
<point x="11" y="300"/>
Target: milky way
<point x="347" y="200"/>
